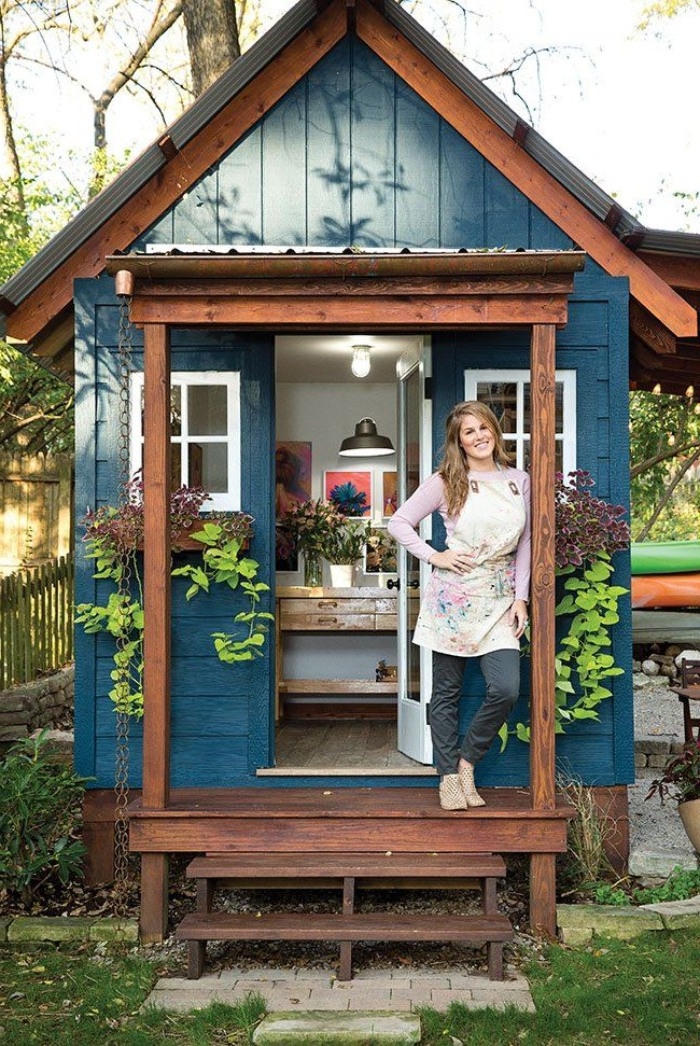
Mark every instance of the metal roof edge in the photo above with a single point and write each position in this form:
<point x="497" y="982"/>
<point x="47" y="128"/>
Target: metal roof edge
<point x="671" y="242"/>
<point x="139" y="171"/>
<point x="579" y="184"/>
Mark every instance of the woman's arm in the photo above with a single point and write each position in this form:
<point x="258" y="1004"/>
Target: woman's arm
<point x="403" y="525"/>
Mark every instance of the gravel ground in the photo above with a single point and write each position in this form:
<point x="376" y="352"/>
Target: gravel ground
<point x="657" y="714"/>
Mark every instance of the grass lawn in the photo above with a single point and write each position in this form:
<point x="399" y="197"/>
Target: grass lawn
<point x="641" y="992"/>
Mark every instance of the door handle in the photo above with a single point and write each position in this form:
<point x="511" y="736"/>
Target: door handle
<point x="391" y="583"/>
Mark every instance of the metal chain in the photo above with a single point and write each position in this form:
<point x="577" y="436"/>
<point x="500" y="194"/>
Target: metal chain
<point x="121" y="775"/>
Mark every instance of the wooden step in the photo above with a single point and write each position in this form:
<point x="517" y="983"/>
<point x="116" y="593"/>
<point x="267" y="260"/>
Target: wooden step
<point x="340" y="865"/>
<point x="491" y="930"/>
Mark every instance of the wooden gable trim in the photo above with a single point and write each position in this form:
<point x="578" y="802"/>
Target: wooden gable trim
<point x="523" y="171"/>
<point x="189" y="164"/>
<point x="648" y="329"/>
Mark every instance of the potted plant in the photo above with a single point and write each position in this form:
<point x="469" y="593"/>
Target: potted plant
<point x="113" y="538"/>
<point x="343" y="547"/>
<point x="311" y="524"/>
<point x="680" y="781"/>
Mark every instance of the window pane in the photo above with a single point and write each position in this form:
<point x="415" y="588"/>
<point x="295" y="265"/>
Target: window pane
<point x="175" y="466"/>
<point x="502" y="398"/>
<point x="207" y="410"/>
<point x="176" y="410"/>
<point x="208" y="467"/>
<point x="558" y="406"/>
<point x="558" y="456"/>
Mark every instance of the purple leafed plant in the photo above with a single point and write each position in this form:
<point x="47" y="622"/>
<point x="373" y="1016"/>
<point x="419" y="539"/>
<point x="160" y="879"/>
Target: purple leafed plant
<point x="586" y="526"/>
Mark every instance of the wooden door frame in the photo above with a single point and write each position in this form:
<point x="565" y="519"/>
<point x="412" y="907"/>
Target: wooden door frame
<point x="421" y="292"/>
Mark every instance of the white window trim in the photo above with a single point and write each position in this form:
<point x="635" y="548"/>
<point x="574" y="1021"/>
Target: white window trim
<point x="230" y="501"/>
<point x="567" y="379"/>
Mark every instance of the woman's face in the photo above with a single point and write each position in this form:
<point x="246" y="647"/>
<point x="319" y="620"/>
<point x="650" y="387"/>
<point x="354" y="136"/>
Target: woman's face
<point x="477" y="439"/>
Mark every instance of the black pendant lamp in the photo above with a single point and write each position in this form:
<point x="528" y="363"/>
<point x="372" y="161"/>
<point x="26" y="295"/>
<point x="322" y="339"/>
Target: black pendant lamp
<point x="366" y="443"/>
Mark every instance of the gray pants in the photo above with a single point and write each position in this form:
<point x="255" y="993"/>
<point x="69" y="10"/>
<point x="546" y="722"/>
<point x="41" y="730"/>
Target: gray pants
<point x="501" y="671"/>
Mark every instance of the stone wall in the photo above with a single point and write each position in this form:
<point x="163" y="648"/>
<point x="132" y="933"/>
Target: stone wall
<point x="45" y="702"/>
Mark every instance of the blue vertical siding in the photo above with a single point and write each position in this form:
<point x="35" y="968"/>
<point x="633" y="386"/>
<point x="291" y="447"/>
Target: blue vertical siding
<point x="221" y="714"/>
<point x="353" y="156"/>
<point x="601" y="752"/>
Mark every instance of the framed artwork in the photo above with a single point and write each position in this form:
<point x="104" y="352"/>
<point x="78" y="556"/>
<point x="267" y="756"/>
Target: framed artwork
<point x="350" y="491"/>
<point x="389" y="494"/>
<point x="292" y="474"/>
<point x="286" y="555"/>
<point x="380" y="552"/>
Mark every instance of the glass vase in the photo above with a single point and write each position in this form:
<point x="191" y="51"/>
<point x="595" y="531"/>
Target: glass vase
<point x="313" y="570"/>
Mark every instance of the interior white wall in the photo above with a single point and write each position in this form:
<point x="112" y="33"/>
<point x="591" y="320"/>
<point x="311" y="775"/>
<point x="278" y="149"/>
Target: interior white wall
<point x="324" y="415"/>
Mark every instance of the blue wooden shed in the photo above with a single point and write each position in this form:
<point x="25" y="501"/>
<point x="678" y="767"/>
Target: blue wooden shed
<point x="346" y="182"/>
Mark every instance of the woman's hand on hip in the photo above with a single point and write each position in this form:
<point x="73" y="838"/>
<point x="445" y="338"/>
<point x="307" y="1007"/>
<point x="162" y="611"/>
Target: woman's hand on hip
<point x="517" y="617"/>
<point x="450" y="559"/>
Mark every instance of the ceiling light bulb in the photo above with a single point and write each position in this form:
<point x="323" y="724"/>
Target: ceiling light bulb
<point x="360" y="361"/>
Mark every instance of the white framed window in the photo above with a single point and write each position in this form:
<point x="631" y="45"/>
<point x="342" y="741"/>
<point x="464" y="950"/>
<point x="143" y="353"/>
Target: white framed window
<point x="507" y="393"/>
<point x="205" y="432"/>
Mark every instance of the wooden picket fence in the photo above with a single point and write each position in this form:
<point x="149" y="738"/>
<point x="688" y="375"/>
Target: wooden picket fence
<point x="35" y="509"/>
<point x="36" y="621"/>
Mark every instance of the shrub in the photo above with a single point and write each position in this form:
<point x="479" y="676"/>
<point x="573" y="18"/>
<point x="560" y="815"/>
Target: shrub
<point x="39" y="814"/>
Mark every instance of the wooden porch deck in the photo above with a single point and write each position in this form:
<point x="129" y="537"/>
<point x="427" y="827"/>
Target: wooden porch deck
<point x="342" y="820"/>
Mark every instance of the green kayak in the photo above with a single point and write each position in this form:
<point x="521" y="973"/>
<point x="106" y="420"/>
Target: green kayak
<point x="665" y="557"/>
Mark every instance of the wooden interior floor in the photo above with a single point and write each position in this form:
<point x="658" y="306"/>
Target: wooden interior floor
<point x="351" y="744"/>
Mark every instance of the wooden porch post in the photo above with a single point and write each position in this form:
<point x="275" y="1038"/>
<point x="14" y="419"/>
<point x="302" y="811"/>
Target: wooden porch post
<point x="156" y="675"/>
<point x="542" y="749"/>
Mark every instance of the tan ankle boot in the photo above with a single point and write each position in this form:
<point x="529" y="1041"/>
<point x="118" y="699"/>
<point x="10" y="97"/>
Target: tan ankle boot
<point x="466" y="780"/>
<point x="451" y="794"/>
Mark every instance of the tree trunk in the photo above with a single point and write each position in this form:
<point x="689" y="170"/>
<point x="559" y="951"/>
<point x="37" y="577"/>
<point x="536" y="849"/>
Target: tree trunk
<point x="212" y="39"/>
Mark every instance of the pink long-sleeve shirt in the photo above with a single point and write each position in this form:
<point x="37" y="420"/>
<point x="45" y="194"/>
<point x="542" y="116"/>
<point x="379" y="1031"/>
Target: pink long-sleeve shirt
<point x="430" y="497"/>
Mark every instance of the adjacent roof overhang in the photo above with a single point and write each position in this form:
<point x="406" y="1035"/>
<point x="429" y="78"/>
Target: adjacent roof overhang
<point x="38" y="300"/>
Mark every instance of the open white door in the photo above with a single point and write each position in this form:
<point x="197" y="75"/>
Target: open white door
<point x="414" y="465"/>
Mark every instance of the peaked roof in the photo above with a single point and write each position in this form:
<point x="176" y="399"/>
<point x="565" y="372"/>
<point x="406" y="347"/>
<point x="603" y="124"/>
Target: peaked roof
<point x="37" y="300"/>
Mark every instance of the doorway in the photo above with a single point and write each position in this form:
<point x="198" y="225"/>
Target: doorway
<point x="338" y="659"/>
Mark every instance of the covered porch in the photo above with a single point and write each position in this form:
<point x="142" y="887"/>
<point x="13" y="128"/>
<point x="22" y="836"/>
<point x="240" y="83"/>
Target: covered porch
<point x="422" y="292"/>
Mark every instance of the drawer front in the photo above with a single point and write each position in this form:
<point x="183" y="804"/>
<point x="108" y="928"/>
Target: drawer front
<point x="327" y="620"/>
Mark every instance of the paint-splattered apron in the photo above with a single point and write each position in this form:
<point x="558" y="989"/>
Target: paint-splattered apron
<point x="466" y="614"/>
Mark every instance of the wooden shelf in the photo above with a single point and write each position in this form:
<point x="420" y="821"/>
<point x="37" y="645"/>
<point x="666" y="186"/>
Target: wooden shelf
<point x="330" y="611"/>
<point x="336" y="686"/>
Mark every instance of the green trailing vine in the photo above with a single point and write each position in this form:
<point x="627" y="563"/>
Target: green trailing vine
<point x="588" y="532"/>
<point x="113" y="537"/>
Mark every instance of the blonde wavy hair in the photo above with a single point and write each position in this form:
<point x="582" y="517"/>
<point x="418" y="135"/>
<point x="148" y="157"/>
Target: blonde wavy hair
<point x="453" y="467"/>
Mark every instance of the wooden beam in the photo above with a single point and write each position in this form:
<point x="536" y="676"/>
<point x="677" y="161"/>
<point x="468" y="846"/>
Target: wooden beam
<point x="380" y="313"/>
<point x="189" y="164"/>
<point x="646" y="327"/>
<point x="678" y="270"/>
<point x="543" y="894"/>
<point x="156" y="555"/>
<point x="347" y="266"/>
<point x="589" y="232"/>
<point x="153" y="921"/>
<point x="542" y="750"/>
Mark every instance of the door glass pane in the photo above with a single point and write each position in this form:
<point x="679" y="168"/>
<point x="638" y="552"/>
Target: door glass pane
<point x="412" y="579"/>
<point x="206" y="410"/>
<point x="502" y="398"/>
<point x="208" y="467"/>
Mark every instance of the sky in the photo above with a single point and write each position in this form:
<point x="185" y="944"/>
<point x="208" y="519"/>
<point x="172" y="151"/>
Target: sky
<point x="617" y="102"/>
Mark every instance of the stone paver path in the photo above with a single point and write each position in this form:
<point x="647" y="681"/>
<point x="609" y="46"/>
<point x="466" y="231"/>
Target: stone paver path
<point x="297" y="990"/>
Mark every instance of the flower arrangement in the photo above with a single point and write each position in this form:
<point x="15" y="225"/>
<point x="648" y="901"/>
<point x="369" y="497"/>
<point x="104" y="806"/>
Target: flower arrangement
<point x="121" y="528"/>
<point x="312" y="525"/>
<point x="680" y="780"/>
<point x="345" y="543"/>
